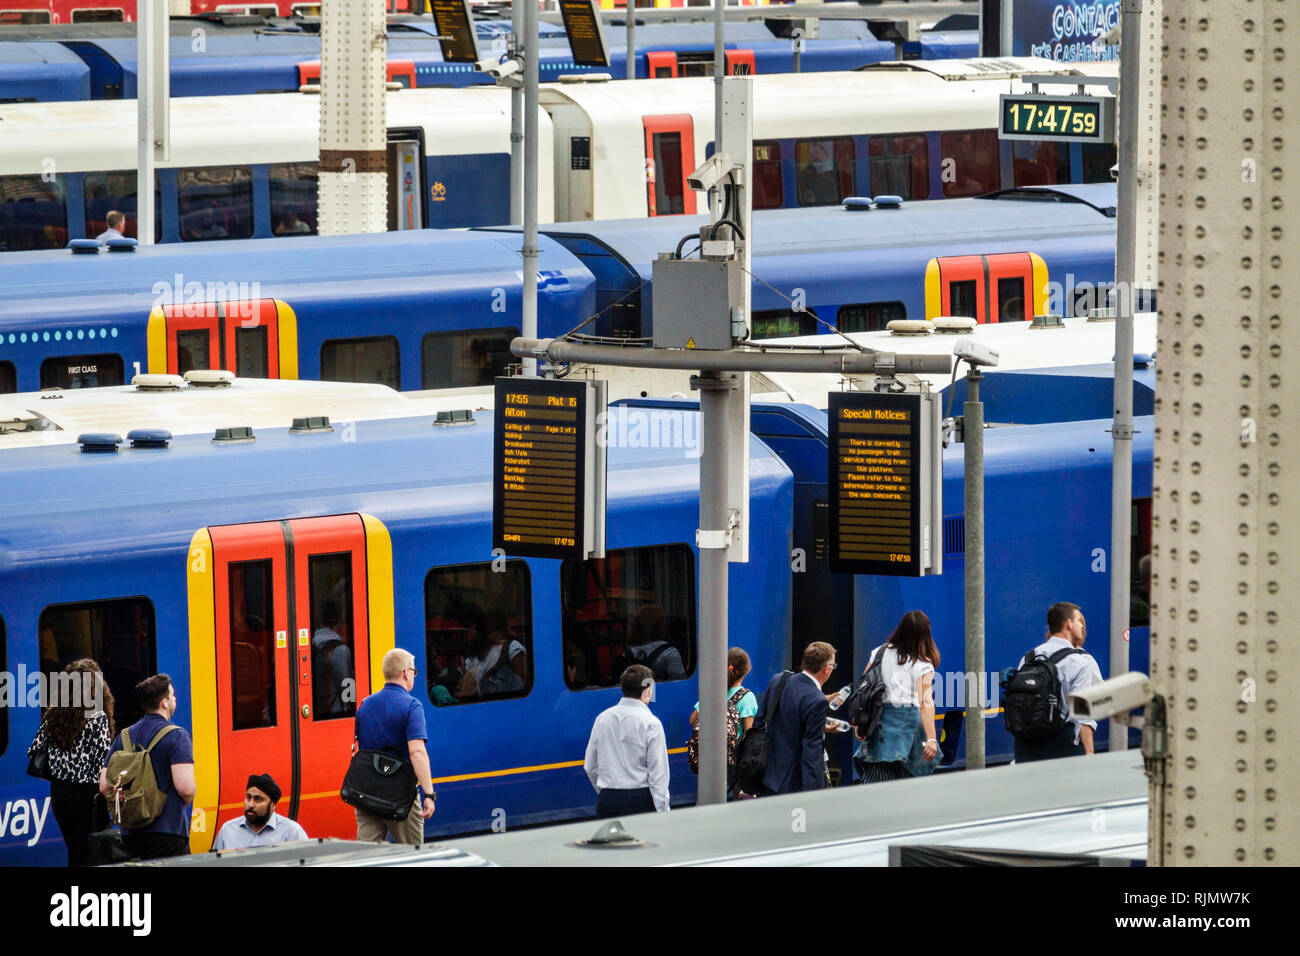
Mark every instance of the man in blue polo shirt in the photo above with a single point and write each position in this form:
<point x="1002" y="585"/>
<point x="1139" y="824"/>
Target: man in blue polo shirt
<point x="392" y="720"/>
<point x="173" y="769"/>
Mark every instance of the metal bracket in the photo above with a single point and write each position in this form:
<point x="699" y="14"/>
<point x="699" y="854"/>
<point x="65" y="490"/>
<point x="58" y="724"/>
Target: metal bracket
<point x="713" y="540"/>
<point x="701" y="383"/>
<point x="885" y="373"/>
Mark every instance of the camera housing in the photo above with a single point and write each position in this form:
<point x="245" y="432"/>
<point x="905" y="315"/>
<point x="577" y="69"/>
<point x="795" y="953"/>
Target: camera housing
<point x="976" y="353"/>
<point x="500" y="69"/>
<point x="1116" y="698"/>
<point x="709" y="173"/>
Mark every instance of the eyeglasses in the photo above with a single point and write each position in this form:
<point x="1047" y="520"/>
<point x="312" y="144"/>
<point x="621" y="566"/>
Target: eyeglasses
<point x="414" y="672"/>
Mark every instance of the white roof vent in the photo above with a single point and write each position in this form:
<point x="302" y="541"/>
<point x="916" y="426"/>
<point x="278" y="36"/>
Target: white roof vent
<point x="153" y="382"/>
<point x="953" y="324"/>
<point x="209" y="378"/>
<point x="909" y="327"/>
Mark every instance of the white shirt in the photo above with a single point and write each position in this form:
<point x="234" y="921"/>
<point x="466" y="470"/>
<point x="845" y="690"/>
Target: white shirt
<point x="816" y="682"/>
<point x="1076" y="672"/>
<point x="236" y="834"/>
<point x="901" y="679"/>
<point x="627" y="751"/>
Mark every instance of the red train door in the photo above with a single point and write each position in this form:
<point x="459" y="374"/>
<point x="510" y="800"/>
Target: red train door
<point x="292" y="651"/>
<point x="252" y="338"/>
<point x="669" y="159"/>
<point x="1005" y="287"/>
<point x="193" y="337"/>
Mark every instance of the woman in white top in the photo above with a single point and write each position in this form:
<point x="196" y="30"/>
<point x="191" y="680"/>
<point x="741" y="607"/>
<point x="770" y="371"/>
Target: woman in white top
<point x="905" y="745"/>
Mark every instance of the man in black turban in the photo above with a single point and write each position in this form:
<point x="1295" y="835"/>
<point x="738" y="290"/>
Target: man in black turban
<point x="260" y="825"/>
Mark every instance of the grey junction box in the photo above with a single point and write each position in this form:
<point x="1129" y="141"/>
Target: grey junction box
<point x="693" y="302"/>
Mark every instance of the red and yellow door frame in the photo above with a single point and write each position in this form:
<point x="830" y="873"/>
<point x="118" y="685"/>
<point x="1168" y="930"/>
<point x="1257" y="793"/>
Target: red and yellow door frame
<point x="225" y="322"/>
<point x="984" y="273"/>
<point x="307" y="752"/>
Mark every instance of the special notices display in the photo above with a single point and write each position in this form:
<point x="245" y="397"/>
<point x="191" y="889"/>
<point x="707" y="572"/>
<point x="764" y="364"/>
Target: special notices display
<point x="882" y="484"/>
<point x="549" y="477"/>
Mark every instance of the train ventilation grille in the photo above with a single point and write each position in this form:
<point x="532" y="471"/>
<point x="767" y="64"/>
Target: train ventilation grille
<point x="954" y="537"/>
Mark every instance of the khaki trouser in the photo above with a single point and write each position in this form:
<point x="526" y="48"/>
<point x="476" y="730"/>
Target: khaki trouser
<point x="373" y="829"/>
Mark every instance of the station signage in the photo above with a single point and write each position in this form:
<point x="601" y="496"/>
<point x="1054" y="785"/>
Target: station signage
<point x="548" y="479"/>
<point x="455" y="26"/>
<point x="1067" y="119"/>
<point x="586" y="39"/>
<point x="885" y="478"/>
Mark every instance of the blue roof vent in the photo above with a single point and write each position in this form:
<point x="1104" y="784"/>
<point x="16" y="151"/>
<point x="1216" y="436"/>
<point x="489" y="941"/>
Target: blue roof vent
<point x="857" y="202"/>
<point x="99" y="441"/>
<point x="889" y="202"/>
<point x="1143" y="360"/>
<point x="124" y="244"/>
<point x="84" y="246"/>
<point x="149" y="437"/>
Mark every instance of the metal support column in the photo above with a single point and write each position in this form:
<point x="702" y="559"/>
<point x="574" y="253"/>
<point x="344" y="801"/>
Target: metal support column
<point x="719" y="66"/>
<point x="630" y="12"/>
<point x="1121" y="494"/>
<point x="530" y="46"/>
<point x="153" y="107"/>
<point x="973" y="449"/>
<point x="516" y="120"/>
<point x="715" y="441"/>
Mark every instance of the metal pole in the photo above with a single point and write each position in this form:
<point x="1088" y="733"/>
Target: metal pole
<point x="529" y="325"/>
<point x="1005" y="22"/>
<point x="1121" y="494"/>
<point x="147" y="67"/>
<point x="631" y="39"/>
<point x="973" y="447"/>
<point x="719" y="67"/>
<point x="713" y="584"/>
<point x="516" y="121"/>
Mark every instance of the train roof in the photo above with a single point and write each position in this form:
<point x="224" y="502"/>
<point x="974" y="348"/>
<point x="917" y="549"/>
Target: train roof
<point x="41" y="71"/>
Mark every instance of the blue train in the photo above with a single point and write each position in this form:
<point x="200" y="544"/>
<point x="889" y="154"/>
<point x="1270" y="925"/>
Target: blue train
<point x="431" y="309"/>
<point x="210" y="56"/>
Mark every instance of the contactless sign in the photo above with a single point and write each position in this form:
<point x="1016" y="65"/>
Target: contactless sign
<point x="456" y="34"/>
<point x="586" y="39"/>
<point x="548" y="489"/>
<point x="1070" y="119"/>
<point x="885" y="483"/>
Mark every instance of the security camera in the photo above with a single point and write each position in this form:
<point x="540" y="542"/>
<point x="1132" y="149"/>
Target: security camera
<point x="976" y="353"/>
<point x="500" y="69"/>
<point x="1114" y="172"/>
<point x="1115" y="698"/>
<point x="710" y="173"/>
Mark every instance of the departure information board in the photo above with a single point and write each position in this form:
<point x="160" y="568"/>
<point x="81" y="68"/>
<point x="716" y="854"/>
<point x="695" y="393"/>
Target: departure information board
<point x="586" y="39"/>
<point x="456" y="34"/>
<point x="1070" y="119"/>
<point x="884" y="450"/>
<point x="548" y="489"/>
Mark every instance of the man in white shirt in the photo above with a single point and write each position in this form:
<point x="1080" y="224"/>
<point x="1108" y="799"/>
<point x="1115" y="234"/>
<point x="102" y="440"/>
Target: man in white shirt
<point x="114" y="220"/>
<point x="260" y="825"/>
<point x="1067" y="630"/>
<point x="627" y="756"/>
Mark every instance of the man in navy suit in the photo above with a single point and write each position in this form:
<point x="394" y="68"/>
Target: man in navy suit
<point x="796" y="725"/>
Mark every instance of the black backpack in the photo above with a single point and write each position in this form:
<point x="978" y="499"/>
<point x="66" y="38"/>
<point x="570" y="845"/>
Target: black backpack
<point x="865" y="705"/>
<point x="751" y="755"/>
<point x="627" y="659"/>
<point x="733" y="733"/>
<point x="1031" y="697"/>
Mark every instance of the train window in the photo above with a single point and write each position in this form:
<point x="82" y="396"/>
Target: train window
<point x="1040" y="164"/>
<point x="1140" y="564"/>
<point x="98" y="15"/>
<point x="293" y="198"/>
<point x="823" y="170"/>
<point x="780" y="323"/>
<point x="252" y="645"/>
<point x="1011" y="299"/>
<point x="24" y="17"/>
<point x="8" y="378"/>
<point x="1098" y="158"/>
<point x="670" y="196"/>
<point x="463" y="359"/>
<point x="119" y="634"/>
<point x="900" y="165"/>
<point x="478" y="633"/>
<point x="869" y="316"/>
<point x="768" y="190"/>
<point x="193" y="350"/>
<point x="116" y="190"/>
<point x="371" y="359"/>
<point x="961" y="298"/>
<point x="215" y="202"/>
<point x="33" y="213"/>
<point x="976" y="161"/>
<point x="635" y="606"/>
<point x="82" y="371"/>
<point x="333" y="677"/>
<point x="251" y="355"/>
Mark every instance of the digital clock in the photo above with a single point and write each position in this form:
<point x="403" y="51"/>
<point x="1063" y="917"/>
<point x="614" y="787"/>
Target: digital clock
<point x="1071" y="119"/>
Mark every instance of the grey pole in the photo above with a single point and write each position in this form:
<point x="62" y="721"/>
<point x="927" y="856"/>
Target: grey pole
<point x="1005" y="23"/>
<point x="719" y="69"/>
<point x="1121" y="494"/>
<point x="631" y="39"/>
<point x="153" y="88"/>
<point x="713" y="584"/>
<point x="530" y="179"/>
<point x="516" y="121"/>
<point x="973" y="448"/>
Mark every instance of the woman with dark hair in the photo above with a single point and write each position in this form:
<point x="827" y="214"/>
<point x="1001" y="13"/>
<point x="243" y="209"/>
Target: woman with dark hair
<point x="75" y="733"/>
<point x="905" y="744"/>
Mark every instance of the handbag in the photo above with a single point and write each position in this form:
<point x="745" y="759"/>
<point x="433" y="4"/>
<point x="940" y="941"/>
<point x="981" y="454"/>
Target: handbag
<point x="38" y="764"/>
<point x="380" y="784"/>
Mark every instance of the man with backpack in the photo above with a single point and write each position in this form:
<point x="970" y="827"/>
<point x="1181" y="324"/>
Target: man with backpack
<point x="148" y="776"/>
<point x="1036" y="695"/>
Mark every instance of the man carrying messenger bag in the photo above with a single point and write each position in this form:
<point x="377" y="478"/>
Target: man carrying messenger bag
<point x="381" y="784"/>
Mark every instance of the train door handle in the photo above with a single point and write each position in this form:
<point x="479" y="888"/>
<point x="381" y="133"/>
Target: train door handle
<point x="306" y="711"/>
